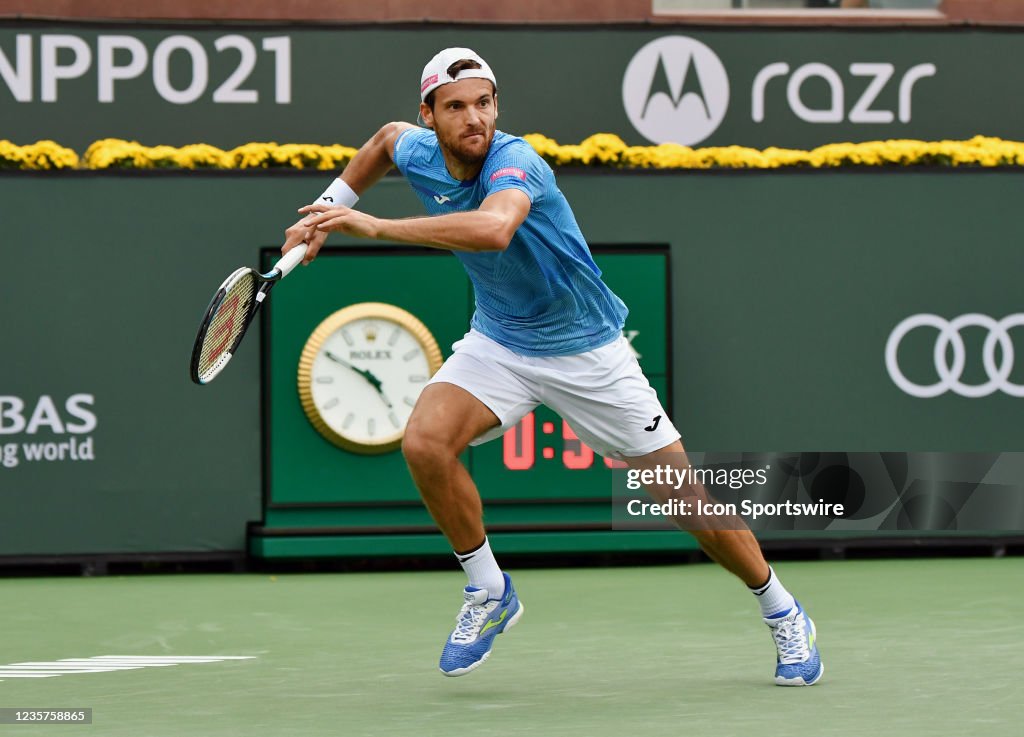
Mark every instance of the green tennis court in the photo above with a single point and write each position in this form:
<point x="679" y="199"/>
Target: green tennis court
<point x="911" y="647"/>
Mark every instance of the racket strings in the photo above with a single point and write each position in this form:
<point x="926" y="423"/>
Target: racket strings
<point x="227" y="324"/>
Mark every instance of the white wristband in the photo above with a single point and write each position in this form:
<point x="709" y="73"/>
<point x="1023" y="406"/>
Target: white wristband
<point x="338" y="194"/>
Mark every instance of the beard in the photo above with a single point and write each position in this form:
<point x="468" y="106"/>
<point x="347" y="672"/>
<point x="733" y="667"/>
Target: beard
<point x="468" y="152"/>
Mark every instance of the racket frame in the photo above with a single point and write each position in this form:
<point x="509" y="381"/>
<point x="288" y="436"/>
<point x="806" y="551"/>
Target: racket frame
<point x="265" y="283"/>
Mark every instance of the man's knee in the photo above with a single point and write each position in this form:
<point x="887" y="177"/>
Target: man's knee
<point x="416" y="446"/>
<point x="423" y="446"/>
<point x="446" y="418"/>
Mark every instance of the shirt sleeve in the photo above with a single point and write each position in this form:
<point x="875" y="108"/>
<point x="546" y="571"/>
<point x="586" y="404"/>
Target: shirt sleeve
<point x="516" y="166"/>
<point x="406" y="145"/>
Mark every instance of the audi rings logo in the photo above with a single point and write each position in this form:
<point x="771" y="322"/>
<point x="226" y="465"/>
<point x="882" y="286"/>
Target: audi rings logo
<point x="950" y="369"/>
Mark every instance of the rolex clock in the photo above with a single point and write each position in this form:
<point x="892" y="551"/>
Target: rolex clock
<point x="360" y="374"/>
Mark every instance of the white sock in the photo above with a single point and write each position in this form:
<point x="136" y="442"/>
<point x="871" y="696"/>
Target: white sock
<point x="773" y="597"/>
<point x="482" y="569"/>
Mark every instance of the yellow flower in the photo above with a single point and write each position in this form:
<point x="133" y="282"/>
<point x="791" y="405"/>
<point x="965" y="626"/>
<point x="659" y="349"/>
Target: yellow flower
<point x="605" y="149"/>
<point x="39" y="155"/>
<point x="600" y="150"/>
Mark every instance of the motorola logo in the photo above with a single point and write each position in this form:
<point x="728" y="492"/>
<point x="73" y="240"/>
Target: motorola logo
<point x="675" y="90"/>
<point x="949" y="354"/>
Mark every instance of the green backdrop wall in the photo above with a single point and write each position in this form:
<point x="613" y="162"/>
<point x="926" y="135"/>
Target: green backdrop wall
<point x="784" y="290"/>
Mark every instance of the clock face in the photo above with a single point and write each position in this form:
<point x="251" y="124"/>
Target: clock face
<point x="362" y="372"/>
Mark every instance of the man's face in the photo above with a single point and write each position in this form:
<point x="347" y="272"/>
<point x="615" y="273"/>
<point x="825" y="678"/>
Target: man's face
<point x="463" y="117"/>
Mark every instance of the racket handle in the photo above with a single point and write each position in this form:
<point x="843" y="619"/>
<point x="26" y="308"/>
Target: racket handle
<point x="291" y="259"/>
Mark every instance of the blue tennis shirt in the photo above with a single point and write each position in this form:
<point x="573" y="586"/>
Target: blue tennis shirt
<point x="543" y="295"/>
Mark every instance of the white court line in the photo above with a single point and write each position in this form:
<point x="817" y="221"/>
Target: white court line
<point x="76" y="664"/>
<point x="125" y="663"/>
<point x="48" y="673"/>
<point x="106" y="664"/>
<point x="179" y="658"/>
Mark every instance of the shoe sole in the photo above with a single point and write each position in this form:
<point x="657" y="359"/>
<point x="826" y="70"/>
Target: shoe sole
<point x="801" y="681"/>
<point x="473" y="666"/>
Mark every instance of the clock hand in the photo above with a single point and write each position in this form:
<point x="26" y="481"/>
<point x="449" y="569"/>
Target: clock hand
<point x="374" y="381"/>
<point x="385" y="398"/>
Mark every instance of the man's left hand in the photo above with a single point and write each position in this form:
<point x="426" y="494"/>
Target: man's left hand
<point x="341" y="220"/>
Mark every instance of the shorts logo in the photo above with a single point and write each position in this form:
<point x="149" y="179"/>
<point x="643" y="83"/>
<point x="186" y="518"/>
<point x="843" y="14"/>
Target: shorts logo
<point x="428" y="81"/>
<point x="675" y="90"/>
<point x="509" y="171"/>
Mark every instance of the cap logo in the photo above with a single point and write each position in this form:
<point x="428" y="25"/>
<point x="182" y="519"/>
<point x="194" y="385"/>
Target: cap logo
<point x="509" y="171"/>
<point x="428" y="81"/>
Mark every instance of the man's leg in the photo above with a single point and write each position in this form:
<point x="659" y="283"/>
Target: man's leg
<point x="610" y="404"/>
<point x="731" y="544"/>
<point x="446" y="418"/>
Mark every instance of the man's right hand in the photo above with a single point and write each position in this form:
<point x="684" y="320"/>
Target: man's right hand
<point x="366" y="168"/>
<point x="302" y="232"/>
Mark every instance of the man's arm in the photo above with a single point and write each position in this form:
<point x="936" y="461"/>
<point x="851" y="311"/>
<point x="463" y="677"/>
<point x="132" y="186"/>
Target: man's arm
<point x="367" y="167"/>
<point x="490" y="228"/>
<point x="373" y="160"/>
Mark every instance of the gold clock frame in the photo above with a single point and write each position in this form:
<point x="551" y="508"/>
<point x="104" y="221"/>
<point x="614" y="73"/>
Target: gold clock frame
<point x="329" y="325"/>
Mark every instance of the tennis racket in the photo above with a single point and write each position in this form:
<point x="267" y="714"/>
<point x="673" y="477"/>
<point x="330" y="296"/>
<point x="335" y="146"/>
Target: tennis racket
<point x="230" y="313"/>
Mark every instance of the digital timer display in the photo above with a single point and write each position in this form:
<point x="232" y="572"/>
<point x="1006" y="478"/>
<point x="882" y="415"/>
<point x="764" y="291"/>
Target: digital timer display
<point x="519" y="446"/>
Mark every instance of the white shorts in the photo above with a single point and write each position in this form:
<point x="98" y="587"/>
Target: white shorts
<point x="602" y="394"/>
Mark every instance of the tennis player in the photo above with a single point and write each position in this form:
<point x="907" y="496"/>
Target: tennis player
<point x="546" y="330"/>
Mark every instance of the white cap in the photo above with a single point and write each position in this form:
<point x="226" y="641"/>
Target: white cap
<point x="435" y="73"/>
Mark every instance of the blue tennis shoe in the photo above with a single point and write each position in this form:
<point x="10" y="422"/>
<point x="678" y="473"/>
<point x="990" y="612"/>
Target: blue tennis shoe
<point x="480" y="620"/>
<point x="799" y="662"/>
